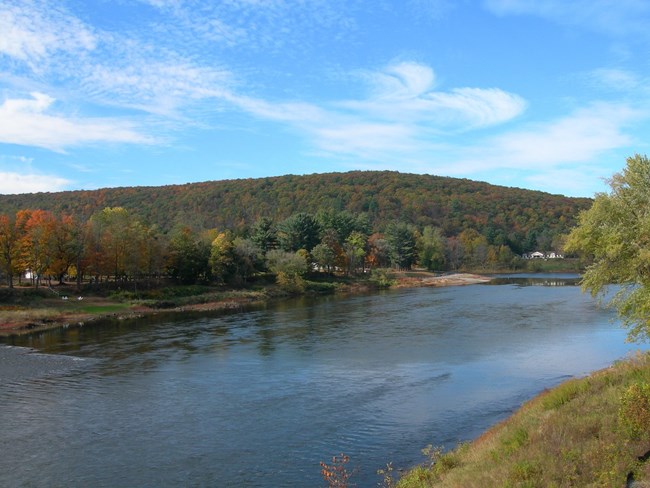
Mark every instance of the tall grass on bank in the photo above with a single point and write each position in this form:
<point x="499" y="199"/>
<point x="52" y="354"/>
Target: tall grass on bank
<point x="593" y="431"/>
<point x="15" y="314"/>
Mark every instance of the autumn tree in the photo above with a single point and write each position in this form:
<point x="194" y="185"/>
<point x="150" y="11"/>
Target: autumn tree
<point x="9" y="246"/>
<point x="152" y="252"/>
<point x="37" y="242"/>
<point x="379" y="251"/>
<point x="222" y="257"/>
<point x="615" y="234"/>
<point x="188" y="256"/>
<point x="114" y="239"/>
<point x="68" y="247"/>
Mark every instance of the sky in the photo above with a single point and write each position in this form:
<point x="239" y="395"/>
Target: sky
<point x="549" y="95"/>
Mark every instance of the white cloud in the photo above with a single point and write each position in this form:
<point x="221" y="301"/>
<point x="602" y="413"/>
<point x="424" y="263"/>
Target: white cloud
<point x="406" y="92"/>
<point x="25" y="122"/>
<point x="401" y="81"/>
<point x="14" y="183"/>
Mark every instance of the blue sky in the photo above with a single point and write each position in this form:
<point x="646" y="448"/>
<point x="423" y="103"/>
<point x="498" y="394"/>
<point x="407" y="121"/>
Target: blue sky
<point x="550" y="95"/>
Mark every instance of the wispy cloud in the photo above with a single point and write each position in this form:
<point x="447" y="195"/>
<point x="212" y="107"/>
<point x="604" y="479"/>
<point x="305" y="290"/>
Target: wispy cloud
<point x="26" y="122"/>
<point x="619" y="80"/>
<point x="576" y="138"/>
<point x="560" y="155"/>
<point x="403" y="113"/>
<point x="273" y="26"/>
<point x="164" y="88"/>
<point x="407" y="91"/>
<point x="614" y="17"/>
<point x="33" y="31"/>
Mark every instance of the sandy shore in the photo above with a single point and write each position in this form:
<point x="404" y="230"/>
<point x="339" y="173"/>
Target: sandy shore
<point x="412" y="279"/>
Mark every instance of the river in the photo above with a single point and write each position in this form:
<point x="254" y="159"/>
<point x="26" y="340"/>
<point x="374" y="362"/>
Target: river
<point x="258" y="398"/>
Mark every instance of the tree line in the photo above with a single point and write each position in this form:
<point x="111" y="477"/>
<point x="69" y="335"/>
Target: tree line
<point x="521" y="219"/>
<point x="113" y="244"/>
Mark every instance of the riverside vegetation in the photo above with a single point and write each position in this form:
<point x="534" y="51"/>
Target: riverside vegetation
<point x="590" y="431"/>
<point x="119" y="247"/>
<point x="251" y="239"/>
<point x="593" y="431"/>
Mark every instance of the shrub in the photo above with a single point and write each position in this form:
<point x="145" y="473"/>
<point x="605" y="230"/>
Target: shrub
<point x="382" y="278"/>
<point x="336" y="475"/>
<point x="634" y="411"/>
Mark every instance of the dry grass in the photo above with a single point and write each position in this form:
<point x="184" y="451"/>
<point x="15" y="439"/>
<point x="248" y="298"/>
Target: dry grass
<point x="569" y="436"/>
<point x="18" y="315"/>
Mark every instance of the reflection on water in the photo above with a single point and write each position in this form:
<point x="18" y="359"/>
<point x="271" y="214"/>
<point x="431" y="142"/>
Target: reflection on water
<point x="259" y="398"/>
<point x="531" y="279"/>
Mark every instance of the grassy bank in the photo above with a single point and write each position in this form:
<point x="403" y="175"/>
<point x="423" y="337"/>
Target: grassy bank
<point x="28" y="309"/>
<point x="593" y="431"/>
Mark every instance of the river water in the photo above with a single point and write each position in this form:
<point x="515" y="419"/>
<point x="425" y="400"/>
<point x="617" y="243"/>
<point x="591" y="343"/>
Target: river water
<point x="258" y="398"/>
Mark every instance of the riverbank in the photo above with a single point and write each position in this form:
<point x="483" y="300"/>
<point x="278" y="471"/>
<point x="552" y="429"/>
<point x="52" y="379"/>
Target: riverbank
<point x="591" y="431"/>
<point x="61" y="307"/>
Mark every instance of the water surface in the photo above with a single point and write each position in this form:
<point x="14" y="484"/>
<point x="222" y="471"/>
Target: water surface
<point x="259" y="398"/>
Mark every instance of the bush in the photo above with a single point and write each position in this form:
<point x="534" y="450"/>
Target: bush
<point x="382" y="278"/>
<point x="634" y="412"/>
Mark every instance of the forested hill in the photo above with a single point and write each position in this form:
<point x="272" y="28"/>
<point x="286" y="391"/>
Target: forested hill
<point x="448" y="203"/>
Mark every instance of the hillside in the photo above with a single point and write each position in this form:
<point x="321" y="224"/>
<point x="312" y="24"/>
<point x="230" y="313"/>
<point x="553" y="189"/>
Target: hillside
<point x="448" y="203"/>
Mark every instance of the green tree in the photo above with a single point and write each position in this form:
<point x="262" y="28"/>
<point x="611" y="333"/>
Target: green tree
<point x="289" y="269"/>
<point x="355" y="251"/>
<point x="264" y="234"/>
<point x="401" y="239"/>
<point x="475" y="248"/>
<point x="431" y="249"/>
<point x="247" y="259"/>
<point x="615" y="234"/>
<point x="324" y="256"/>
<point x="300" y="231"/>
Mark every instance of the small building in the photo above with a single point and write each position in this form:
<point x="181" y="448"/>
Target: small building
<point x="541" y="255"/>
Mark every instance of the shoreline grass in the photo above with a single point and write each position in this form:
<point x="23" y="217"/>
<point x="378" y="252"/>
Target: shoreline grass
<point x="575" y="434"/>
